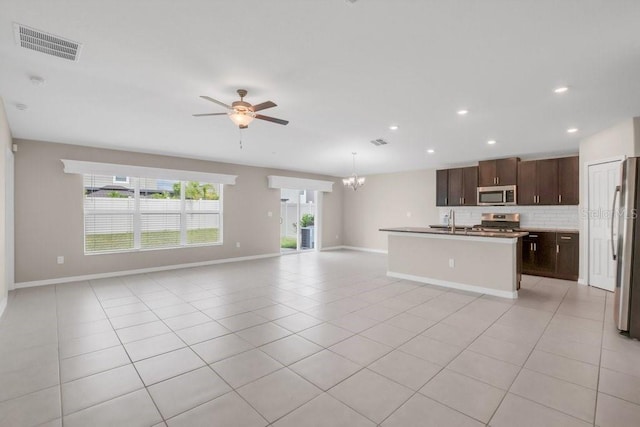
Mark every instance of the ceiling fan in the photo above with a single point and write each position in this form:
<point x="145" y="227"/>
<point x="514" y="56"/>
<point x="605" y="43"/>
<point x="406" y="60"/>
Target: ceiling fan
<point x="241" y="112"/>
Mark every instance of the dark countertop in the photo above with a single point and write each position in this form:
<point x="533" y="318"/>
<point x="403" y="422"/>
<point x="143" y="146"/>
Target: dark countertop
<point x="527" y="229"/>
<point x="460" y="231"/>
<point x="550" y="230"/>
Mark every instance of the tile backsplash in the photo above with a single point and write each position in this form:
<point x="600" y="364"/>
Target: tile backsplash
<point x="564" y="217"/>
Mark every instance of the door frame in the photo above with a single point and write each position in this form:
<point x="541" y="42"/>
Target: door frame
<point x="585" y="246"/>
<point x="317" y="229"/>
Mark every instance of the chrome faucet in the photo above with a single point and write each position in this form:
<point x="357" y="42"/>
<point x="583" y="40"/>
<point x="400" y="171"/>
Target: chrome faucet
<point x="452" y="221"/>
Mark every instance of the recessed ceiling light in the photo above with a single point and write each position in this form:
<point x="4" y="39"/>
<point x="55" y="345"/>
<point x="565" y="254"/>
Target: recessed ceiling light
<point x="491" y="141"/>
<point x="431" y="151"/>
<point x="561" y="89"/>
<point x="393" y="127"/>
<point x="21" y="107"/>
<point x="463" y="112"/>
<point x="572" y="130"/>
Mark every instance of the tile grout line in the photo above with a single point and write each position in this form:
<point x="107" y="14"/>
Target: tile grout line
<point x="523" y="367"/>
<point x="233" y="390"/>
<point x="127" y="353"/>
<point x="62" y="420"/>
<point x="595" y="406"/>
<point x="444" y="367"/>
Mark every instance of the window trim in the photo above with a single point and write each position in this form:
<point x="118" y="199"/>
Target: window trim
<point x="82" y="167"/>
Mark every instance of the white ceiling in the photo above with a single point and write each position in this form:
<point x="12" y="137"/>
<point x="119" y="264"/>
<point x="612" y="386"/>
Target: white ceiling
<point x="341" y="73"/>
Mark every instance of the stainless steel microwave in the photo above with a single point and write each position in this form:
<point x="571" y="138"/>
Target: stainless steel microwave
<point x="497" y="196"/>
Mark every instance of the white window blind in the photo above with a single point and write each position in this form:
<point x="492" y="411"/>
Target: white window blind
<point x="150" y="213"/>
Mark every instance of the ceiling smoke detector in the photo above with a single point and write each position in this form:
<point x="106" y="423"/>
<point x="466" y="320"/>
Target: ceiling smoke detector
<point x="37" y="40"/>
<point x="378" y="142"/>
<point x="36" y="81"/>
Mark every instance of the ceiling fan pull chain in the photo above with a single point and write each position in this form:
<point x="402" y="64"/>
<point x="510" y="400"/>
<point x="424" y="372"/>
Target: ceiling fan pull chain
<point x="240" y="136"/>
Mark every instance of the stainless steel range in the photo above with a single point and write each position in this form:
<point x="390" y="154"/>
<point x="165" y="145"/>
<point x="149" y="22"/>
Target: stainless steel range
<point x="503" y="222"/>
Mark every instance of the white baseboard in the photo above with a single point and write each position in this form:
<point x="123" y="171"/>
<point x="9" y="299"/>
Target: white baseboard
<point x="3" y="304"/>
<point x="137" y="271"/>
<point x="581" y="281"/>
<point x="332" y="248"/>
<point x="455" y="285"/>
<point x="375" y="251"/>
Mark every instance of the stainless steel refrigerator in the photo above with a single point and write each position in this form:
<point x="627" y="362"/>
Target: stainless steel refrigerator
<point x="626" y="251"/>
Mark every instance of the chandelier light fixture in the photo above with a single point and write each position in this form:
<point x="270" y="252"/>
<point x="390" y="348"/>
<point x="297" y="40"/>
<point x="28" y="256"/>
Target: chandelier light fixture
<point x="354" y="181"/>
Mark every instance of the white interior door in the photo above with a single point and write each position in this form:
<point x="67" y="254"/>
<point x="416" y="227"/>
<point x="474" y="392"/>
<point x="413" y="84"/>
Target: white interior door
<point x="603" y="178"/>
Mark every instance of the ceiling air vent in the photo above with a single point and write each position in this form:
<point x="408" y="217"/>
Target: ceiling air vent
<point x="40" y="41"/>
<point x="378" y="142"/>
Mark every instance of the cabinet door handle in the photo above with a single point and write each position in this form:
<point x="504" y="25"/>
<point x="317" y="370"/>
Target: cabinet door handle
<point x="531" y="246"/>
<point x="533" y="235"/>
<point x="535" y="247"/>
<point x="559" y="198"/>
<point x="497" y="180"/>
<point x="446" y="200"/>
<point x="565" y="237"/>
<point x="557" y="249"/>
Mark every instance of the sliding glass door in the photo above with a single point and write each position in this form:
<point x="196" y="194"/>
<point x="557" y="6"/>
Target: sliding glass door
<point x="297" y="220"/>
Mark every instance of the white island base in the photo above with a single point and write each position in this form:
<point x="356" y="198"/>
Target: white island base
<point x="486" y="265"/>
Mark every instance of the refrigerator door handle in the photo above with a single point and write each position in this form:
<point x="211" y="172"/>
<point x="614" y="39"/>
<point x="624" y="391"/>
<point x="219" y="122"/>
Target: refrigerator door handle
<point x="613" y="216"/>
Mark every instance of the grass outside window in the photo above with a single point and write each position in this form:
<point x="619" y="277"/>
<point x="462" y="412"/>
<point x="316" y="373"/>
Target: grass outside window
<point x="95" y="243"/>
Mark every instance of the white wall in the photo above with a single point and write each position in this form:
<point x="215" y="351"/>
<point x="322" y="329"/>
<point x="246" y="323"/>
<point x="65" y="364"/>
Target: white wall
<point x="6" y="209"/>
<point x="388" y="200"/>
<point x="40" y="239"/>
<point x="623" y="139"/>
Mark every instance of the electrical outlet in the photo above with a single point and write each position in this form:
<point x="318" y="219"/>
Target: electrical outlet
<point x="60" y="259"/>
<point x="269" y="214"/>
<point x="408" y="214"/>
<point x="452" y="262"/>
<point x="237" y="244"/>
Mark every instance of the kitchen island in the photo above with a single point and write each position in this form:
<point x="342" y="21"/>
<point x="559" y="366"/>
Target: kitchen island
<point x="475" y="261"/>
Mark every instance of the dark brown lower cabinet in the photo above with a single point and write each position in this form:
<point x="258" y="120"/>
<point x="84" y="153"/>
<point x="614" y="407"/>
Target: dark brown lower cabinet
<point x="550" y="254"/>
<point x="567" y="255"/>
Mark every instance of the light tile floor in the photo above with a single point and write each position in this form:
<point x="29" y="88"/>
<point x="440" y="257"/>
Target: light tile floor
<point x="313" y="339"/>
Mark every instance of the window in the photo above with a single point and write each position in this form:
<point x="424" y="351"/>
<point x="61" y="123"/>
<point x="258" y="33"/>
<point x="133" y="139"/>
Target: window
<point x="149" y="213"/>
<point x="120" y="179"/>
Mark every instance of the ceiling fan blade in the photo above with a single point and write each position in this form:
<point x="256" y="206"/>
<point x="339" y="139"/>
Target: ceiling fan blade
<point x="210" y="114"/>
<point x="264" y="106"/>
<point x="216" y="101"/>
<point x="272" y="119"/>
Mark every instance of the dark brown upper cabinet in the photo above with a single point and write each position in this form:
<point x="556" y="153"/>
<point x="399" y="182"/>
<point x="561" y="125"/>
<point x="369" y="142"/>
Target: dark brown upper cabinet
<point x="442" y="187"/>
<point x="498" y="172"/>
<point x="548" y="182"/>
<point x="470" y="186"/>
<point x="538" y="182"/>
<point x="457" y="187"/>
<point x="568" y="181"/>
